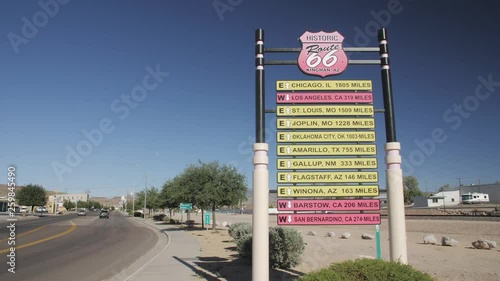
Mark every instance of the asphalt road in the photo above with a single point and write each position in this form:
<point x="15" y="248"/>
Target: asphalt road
<point x="68" y="247"/>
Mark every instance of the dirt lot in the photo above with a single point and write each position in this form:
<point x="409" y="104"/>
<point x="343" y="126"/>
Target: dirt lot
<point x="220" y="260"/>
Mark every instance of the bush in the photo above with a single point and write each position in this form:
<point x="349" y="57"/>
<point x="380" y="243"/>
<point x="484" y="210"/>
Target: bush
<point x="158" y="217"/>
<point x="244" y="246"/>
<point x="367" y="270"/>
<point x="238" y="230"/>
<point x="286" y="246"/>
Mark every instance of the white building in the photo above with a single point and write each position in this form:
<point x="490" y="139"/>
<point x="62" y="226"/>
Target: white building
<point x="440" y="199"/>
<point x="58" y="199"/>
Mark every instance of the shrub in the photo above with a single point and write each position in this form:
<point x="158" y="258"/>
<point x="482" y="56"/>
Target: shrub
<point x="244" y="246"/>
<point x="238" y="230"/>
<point x="367" y="270"/>
<point x="158" y="217"/>
<point x="233" y="226"/>
<point x="286" y="246"/>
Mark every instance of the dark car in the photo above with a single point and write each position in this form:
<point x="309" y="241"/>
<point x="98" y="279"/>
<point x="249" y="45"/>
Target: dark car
<point x="104" y="215"/>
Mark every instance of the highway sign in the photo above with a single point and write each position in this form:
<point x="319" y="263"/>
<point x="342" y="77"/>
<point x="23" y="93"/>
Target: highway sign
<point x="325" y="110"/>
<point x="324" y="85"/>
<point x="329" y="219"/>
<point x="322" y="54"/>
<point x="326" y="177"/>
<point x="186" y="206"/>
<point x="323" y="97"/>
<point x="325" y="163"/>
<point x="329" y="205"/>
<point x="325" y="123"/>
<point x="326" y="136"/>
<point x="326" y="150"/>
<point x="328" y="191"/>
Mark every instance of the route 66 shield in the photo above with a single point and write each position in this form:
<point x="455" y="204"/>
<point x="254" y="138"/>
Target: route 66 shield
<point x="322" y="54"/>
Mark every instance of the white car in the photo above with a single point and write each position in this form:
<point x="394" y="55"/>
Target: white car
<point x="82" y="213"/>
<point x="41" y="209"/>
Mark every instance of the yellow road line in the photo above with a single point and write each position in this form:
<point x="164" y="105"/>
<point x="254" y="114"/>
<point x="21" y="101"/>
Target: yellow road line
<point x="73" y="227"/>
<point x="25" y="233"/>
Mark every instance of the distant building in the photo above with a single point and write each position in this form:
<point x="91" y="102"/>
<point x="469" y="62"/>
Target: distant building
<point x="493" y="190"/>
<point x="56" y="201"/>
<point x="440" y="199"/>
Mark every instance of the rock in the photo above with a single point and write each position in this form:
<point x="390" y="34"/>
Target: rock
<point x="224" y="223"/>
<point x="448" y="241"/>
<point x="480" y="244"/>
<point x="345" y="235"/>
<point x="484" y="244"/>
<point x="490" y="243"/>
<point x="312" y="233"/>
<point x="367" y="236"/>
<point x="430" y="239"/>
<point x="330" y="234"/>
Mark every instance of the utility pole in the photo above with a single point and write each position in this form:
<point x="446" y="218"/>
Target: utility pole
<point x="459" y="182"/>
<point x="145" y="186"/>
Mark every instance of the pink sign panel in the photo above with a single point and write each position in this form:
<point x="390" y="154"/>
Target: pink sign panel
<point x="329" y="205"/>
<point x="329" y="219"/>
<point x="322" y="54"/>
<point x="284" y="97"/>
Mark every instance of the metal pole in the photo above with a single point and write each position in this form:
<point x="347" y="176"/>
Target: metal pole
<point x="394" y="178"/>
<point x="260" y="216"/>
<point x="145" y="192"/>
<point x="133" y="198"/>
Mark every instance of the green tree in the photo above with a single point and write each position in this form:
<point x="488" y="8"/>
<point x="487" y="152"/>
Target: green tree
<point x="68" y="204"/>
<point x="93" y="204"/>
<point x="210" y="185"/>
<point x="32" y="195"/>
<point x="82" y="204"/>
<point x="170" y="196"/>
<point x="411" y="189"/>
<point x="153" y="201"/>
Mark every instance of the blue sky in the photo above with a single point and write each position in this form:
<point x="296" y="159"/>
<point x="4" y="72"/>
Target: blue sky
<point x="69" y="74"/>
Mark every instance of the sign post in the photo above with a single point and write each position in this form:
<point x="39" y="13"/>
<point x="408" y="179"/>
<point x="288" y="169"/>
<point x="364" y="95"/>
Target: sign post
<point x="184" y="207"/>
<point x="325" y="145"/>
<point x="377" y="241"/>
<point x="260" y="216"/>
